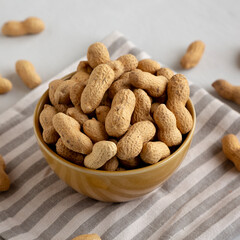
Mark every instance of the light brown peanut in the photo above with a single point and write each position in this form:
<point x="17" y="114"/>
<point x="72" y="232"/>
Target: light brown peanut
<point x="27" y="73"/>
<point x="166" y="122"/>
<point x="69" y="130"/>
<point x="111" y="165"/>
<point x="231" y="149"/>
<point x="131" y="163"/>
<point x="77" y="114"/>
<point x="84" y="66"/>
<point x="153" y="152"/>
<point x="87" y="237"/>
<point x="101" y="113"/>
<point x="178" y="94"/>
<point x="227" y="90"/>
<point x="80" y="77"/>
<point x="131" y="144"/>
<point x="5" y="85"/>
<point x="193" y="55"/>
<point x="149" y="65"/>
<point x="154" y="85"/>
<point x="50" y="136"/>
<point x="75" y="94"/>
<point x="97" y="54"/>
<point x="4" y="179"/>
<point x="142" y="108"/>
<point x="100" y="80"/>
<point x="154" y="106"/>
<point x="166" y="72"/>
<point x="129" y="62"/>
<point x="102" y="152"/>
<point x="68" y="154"/>
<point x="95" y="130"/>
<point x="119" y="117"/>
<point x="117" y="67"/>
<point x="31" y="25"/>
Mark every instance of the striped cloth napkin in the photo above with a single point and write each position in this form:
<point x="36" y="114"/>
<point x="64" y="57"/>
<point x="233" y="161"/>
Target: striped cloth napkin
<point x="200" y="201"/>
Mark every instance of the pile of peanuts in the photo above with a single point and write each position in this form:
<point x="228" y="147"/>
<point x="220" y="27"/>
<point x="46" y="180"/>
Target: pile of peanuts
<point x="132" y="113"/>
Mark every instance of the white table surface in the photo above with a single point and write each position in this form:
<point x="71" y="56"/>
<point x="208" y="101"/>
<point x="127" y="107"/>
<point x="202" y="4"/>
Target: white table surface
<point x="163" y="29"/>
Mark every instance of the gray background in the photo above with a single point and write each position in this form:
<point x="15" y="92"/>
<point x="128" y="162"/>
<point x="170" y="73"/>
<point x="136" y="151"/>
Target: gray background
<point x="162" y="28"/>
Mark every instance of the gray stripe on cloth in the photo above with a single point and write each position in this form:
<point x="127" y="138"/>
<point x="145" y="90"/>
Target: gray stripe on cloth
<point x="117" y="227"/>
<point x="201" y="105"/>
<point x="230" y="206"/>
<point x="16" y="141"/>
<point x="194" y="89"/>
<point x="168" y="212"/>
<point x="66" y="217"/>
<point x="25" y="113"/>
<point x="135" y="51"/>
<point x="232" y="230"/>
<point x="212" y="150"/>
<point x="116" y="45"/>
<point x="201" y="208"/>
<point x="39" y="213"/>
<point x="23" y="178"/>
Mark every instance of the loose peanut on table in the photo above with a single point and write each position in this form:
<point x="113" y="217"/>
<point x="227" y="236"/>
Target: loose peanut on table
<point x="5" y="85"/>
<point x="87" y="237"/>
<point x="4" y="179"/>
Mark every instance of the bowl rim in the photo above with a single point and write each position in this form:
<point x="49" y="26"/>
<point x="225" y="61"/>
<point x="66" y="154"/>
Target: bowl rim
<point x="37" y="131"/>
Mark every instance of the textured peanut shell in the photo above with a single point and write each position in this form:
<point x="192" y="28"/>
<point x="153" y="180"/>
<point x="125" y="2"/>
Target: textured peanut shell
<point x="80" y="77"/>
<point x="102" y="152"/>
<point x="131" y="144"/>
<point x="97" y="54"/>
<point x="62" y="93"/>
<point x="178" y="94"/>
<point x="101" y="113"/>
<point x="131" y="163"/>
<point x="99" y="81"/>
<point x="75" y="93"/>
<point x="122" y="83"/>
<point x="5" y="85"/>
<point x="154" y="106"/>
<point x="68" y="154"/>
<point x="87" y="237"/>
<point x="166" y="122"/>
<point x="166" y="72"/>
<point x="227" y="90"/>
<point x="31" y="25"/>
<point x="119" y="117"/>
<point x="95" y="130"/>
<point x="129" y="62"/>
<point x="69" y="130"/>
<point x="50" y="136"/>
<point x="84" y="66"/>
<point x="149" y="65"/>
<point x="77" y="114"/>
<point x="153" y="152"/>
<point x="231" y="149"/>
<point x="142" y="108"/>
<point x="117" y="67"/>
<point x="27" y="73"/>
<point x="111" y="165"/>
<point x="4" y="179"/>
<point x="193" y="55"/>
<point x="154" y="85"/>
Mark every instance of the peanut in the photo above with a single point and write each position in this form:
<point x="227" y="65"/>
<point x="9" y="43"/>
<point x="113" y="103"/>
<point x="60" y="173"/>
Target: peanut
<point x="231" y="149"/>
<point x="142" y="108"/>
<point x="153" y="152"/>
<point x="5" y="85"/>
<point x="99" y="81"/>
<point x="102" y="152"/>
<point x="227" y="90"/>
<point x="154" y="106"/>
<point x="166" y="122"/>
<point x="166" y="72"/>
<point x="119" y="117"/>
<point x="111" y="165"/>
<point x="193" y="55"/>
<point x="80" y="77"/>
<point x="95" y="130"/>
<point x="4" y="179"/>
<point x="178" y="94"/>
<point x="75" y="93"/>
<point x="154" y="85"/>
<point x="68" y="154"/>
<point x="50" y="136"/>
<point x="84" y="66"/>
<point x="62" y="93"/>
<point x="129" y="62"/>
<point x="87" y="237"/>
<point x="31" y="25"/>
<point x="69" y="130"/>
<point x="77" y="114"/>
<point x="97" y="54"/>
<point x="101" y="113"/>
<point x="149" y="65"/>
<point x="27" y="73"/>
<point x="131" y="143"/>
<point x="117" y="67"/>
<point x="131" y="163"/>
<point x="122" y="83"/>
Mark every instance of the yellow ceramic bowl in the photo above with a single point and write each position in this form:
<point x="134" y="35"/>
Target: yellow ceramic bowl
<point x="118" y="186"/>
